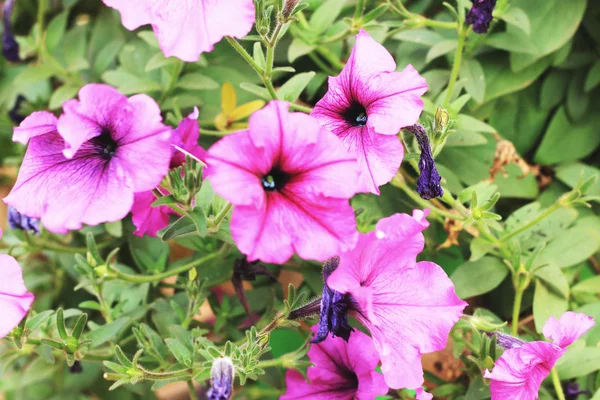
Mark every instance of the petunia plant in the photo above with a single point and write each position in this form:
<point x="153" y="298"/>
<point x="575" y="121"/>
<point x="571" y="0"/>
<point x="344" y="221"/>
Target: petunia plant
<point x="300" y="199"/>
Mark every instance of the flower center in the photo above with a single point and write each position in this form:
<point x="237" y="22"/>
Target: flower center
<point x="105" y="145"/>
<point x="356" y="115"/>
<point x="274" y="180"/>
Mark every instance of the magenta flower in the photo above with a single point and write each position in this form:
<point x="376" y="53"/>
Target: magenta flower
<point x="290" y="181"/>
<point x="342" y="371"/>
<point x="15" y="300"/>
<point x="519" y="372"/>
<point x="85" y="167"/>
<point x="408" y="306"/>
<point x="367" y="105"/>
<point x="149" y="220"/>
<point x="185" y="29"/>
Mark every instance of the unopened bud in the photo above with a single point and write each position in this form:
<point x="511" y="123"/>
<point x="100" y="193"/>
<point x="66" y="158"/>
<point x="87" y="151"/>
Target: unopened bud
<point x="428" y="184"/>
<point x="288" y="7"/>
<point x="506" y="341"/>
<point x="441" y="120"/>
<point x="221" y="379"/>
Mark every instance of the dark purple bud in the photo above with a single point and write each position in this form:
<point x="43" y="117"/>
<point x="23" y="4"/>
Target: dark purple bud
<point x="10" y="47"/>
<point x="14" y="114"/>
<point x="243" y="270"/>
<point x="480" y="15"/>
<point x="76" y="368"/>
<point x="16" y="220"/>
<point x="428" y="184"/>
<point x="506" y="341"/>
<point x="221" y="379"/>
<point x="334" y="308"/>
<point x="572" y="391"/>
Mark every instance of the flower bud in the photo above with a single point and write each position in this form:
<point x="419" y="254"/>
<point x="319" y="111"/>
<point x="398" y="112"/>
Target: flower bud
<point x="288" y="8"/>
<point x="480" y="15"/>
<point x="221" y="379"/>
<point x="16" y="220"/>
<point x="441" y="120"/>
<point x="506" y="341"/>
<point x="428" y="184"/>
<point x="10" y="47"/>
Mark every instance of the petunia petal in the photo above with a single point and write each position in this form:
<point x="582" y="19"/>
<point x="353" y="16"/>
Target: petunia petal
<point x="148" y="220"/>
<point x="570" y="327"/>
<point x="38" y="123"/>
<point x="15" y="300"/>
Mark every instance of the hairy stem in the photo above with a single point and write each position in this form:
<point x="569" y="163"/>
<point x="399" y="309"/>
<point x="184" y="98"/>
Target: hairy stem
<point x="163" y="275"/>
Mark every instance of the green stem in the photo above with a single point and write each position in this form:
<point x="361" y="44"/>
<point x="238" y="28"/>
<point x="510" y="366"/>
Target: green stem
<point x="221" y="215"/>
<point x="40" y="24"/>
<point x="462" y="36"/>
<point x="210" y="132"/>
<point x="531" y="223"/>
<point x="517" y="310"/>
<point x="360" y="9"/>
<point x="426" y="204"/>
<point x="440" y="24"/>
<point x="178" y="68"/>
<point x="324" y="67"/>
<point x="192" y="390"/>
<point x="275" y="362"/>
<point x="557" y="386"/>
<point x="266" y="81"/>
<point x="331" y="58"/>
<point x="298" y="107"/>
<point x="163" y="275"/>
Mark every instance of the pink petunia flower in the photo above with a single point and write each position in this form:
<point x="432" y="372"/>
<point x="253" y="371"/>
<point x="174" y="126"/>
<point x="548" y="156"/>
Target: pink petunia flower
<point x="149" y="220"/>
<point x="520" y="371"/>
<point x="85" y="167"/>
<point x="185" y="29"/>
<point x="15" y="300"/>
<point x="342" y="371"/>
<point x="367" y="105"/>
<point x="408" y="306"/>
<point x="290" y="181"/>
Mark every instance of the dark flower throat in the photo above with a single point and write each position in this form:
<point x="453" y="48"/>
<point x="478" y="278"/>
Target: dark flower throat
<point x="275" y="180"/>
<point x="356" y="115"/>
<point x="105" y="145"/>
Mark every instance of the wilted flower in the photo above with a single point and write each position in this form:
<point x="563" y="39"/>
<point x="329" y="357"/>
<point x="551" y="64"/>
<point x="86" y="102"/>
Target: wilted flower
<point x="85" y="167"/>
<point x="341" y="371"/>
<point x="506" y="341"/>
<point x="221" y="379"/>
<point x="480" y="15"/>
<point x="367" y="105"/>
<point x="185" y="140"/>
<point x="16" y="220"/>
<point x="519" y="372"/>
<point x="185" y="29"/>
<point x="10" y="47"/>
<point x="428" y="184"/>
<point x="15" y="300"/>
<point x="408" y="306"/>
<point x="290" y="181"/>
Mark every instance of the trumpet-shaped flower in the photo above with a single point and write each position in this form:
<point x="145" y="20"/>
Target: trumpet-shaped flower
<point x="85" y="167"/>
<point x="290" y="181"/>
<point x="342" y="371"/>
<point x="519" y="372"/>
<point x="15" y="300"/>
<point x="408" y="306"/>
<point x="367" y="105"/>
<point x="185" y="29"/>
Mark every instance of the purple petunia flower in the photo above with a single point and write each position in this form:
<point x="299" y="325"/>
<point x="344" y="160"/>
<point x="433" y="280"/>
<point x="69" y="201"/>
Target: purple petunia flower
<point x="85" y="167"/>
<point x="10" y="47"/>
<point x="367" y="105"/>
<point x="408" y="306"/>
<point x="185" y="29"/>
<point x="15" y="300"/>
<point x="480" y="15"/>
<point x="342" y="371"/>
<point x="221" y="379"/>
<point x="519" y="372"/>
<point x="428" y="184"/>
<point x="289" y="180"/>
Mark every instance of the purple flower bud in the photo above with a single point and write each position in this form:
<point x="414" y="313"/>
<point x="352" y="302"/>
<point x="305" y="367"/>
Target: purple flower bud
<point x="14" y="114"/>
<point x="10" y="47"/>
<point x="334" y="308"/>
<point x="221" y="379"/>
<point x="16" y="220"/>
<point x="480" y="15"/>
<point x="506" y="341"/>
<point x="572" y="391"/>
<point x="76" y="368"/>
<point x="428" y="184"/>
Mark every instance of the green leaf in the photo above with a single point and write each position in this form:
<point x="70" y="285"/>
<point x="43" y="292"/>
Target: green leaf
<point x="299" y="48"/>
<point x="114" y="229"/>
<point x="196" y="81"/>
<point x="325" y="15"/>
<point x="291" y="90"/>
<point x="570" y="173"/>
<point x="518" y="17"/>
<point x="150" y="254"/>
<point x="546" y="303"/>
<point x="259" y="55"/>
<point x="79" y="326"/>
<point x="479" y="277"/>
<point x="472" y="75"/>
<point x="468" y="123"/>
<point x="199" y="218"/>
<point x="60" y="324"/>
<point x="56" y="30"/>
<point x="593" y="77"/>
<point x="575" y="245"/>
<point x="107" y="55"/>
<point x="479" y="248"/>
<point x="512" y="42"/>
<point x="90" y="305"/>
<point x="33" y="74"/>
<point x="183" y="226"/>
<point x="554" y="89"/>
<point x="37" y="320"/>
<point x="441" y="48"/>
<point x="568" y="141"/>
<point x="180" y="351"/>
<point x="420" y="36"/>
<point x="465" y="138"/>
<point x="590" y="285"/>
<point x="554" y="278"/>
<point x="62" y="94"/>
<point x="578" y="362"/>
<point x="106" y="332"/>
<point x="158" y="60"/>
<point x="260" y="91"/>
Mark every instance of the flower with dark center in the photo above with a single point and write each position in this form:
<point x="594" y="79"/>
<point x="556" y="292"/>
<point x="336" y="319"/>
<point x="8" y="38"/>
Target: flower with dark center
<point x="86" y="166"/>
<point x="10" y="47"/>
<point x="428" y="184"/>
<point x="480" y="15"/>
<point x="16" y="220"/>
<point x="289" y="180"/>
<point x="367" y="104"/>
<point x="243" y="270"/>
